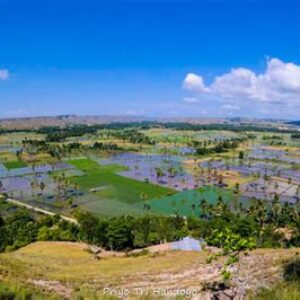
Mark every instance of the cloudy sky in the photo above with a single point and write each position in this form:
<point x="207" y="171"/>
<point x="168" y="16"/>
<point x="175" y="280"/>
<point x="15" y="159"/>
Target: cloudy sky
<point x="209" y="58"/>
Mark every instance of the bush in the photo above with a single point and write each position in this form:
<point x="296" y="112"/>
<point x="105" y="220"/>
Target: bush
<point x="292" y="270"/>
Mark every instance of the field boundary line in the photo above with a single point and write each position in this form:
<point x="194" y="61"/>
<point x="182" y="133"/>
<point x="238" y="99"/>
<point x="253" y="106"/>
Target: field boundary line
<point x="43" y="211"/>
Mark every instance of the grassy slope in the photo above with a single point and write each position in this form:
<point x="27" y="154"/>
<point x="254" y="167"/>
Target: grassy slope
<point x="117" y="187"/>
<point x="282" y="291"/>
<point x="79" y="272"/>
<point x="74" y="267"/>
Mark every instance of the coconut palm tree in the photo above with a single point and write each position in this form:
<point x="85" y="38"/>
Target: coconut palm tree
<point x="203" y="207"/>
<point x="193" y="208"/>
<point x="275" y="207"/>
<point x="159" y="173"/>
<point x="42" y="187"/>
<point x="32" y="186"/>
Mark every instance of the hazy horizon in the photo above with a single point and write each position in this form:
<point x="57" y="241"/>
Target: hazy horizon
<point x="151" y="118"/>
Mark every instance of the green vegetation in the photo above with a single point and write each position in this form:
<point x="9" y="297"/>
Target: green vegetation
<point x="282" y="291"/>
<point x="289" y="289"/>
<point x="20" y="228"/>
<point x="190" y="202"/>
<point x="220" y="147"/>
<point x="118" y="213"/>
<point x="15" y="164"/>
<point x="256" y="224"/>
<point x="17" y="291"/>
<point x="115" y="187"/>
<point x="107" y="207"/>
<point x="131" y="135"/>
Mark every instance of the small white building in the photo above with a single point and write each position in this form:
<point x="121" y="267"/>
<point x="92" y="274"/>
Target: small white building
<point x="187" y="244"/>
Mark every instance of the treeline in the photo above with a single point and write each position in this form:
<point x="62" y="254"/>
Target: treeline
<point x="295" y="136"/>
<point x="7" y="130"/>
<point x="21" y="227"/>
<point x="58" y="150"/>
<point x="121" y="131"/>
<point x="106" y="146"/>
<point x="219" y="147"/>
<point x="131" y="135"/>
<point x="275" y="226"/>
<point x="57" y="134"/>
<point x="76" y="129"/>
<point x="119" y="233"/>
<point x="226" y="127"/>
<point x="272" y="137"/>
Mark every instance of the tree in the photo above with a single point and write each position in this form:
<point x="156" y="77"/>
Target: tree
<point x="237" y="188"/>
<point x="20" y="228"/>
<point x="42" y="186"/>
<point x="92" y="230"/>
<point x="193" y="208"/>
<point x="120" y="233"/>
<point x="159" y="172"/>
<point x="232" y="244"/>
<point x="241" y="155"/>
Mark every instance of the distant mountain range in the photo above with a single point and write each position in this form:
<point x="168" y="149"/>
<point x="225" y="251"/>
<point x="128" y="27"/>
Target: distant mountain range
<point x="64" y="120"/>
<point x="297" y="123"/>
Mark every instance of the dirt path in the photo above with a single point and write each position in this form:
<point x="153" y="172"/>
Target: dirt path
<point x="40" y="210"/>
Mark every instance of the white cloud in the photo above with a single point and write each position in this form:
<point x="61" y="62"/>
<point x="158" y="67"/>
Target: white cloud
<point x="194" y="83"/>
<point x="279" y="83"/>
<point x="190" y="100"/>
<point x="4" y="74"/>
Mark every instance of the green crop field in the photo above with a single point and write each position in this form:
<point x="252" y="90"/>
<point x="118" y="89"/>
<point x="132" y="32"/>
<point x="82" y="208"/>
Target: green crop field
<point x="113" y="186"/>
<point x="104" y="207"/>
<point x="14" y="164"/>
<point x="182" y="203"/>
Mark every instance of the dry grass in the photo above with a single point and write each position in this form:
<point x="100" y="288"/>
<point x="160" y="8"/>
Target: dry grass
<point x="75" y="267"/>
<point x="7" y="156"/>
<point x="71" y="265"/>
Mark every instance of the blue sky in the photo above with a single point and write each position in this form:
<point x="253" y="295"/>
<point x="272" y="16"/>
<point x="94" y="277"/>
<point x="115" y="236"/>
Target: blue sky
<point x="207" y="58"/>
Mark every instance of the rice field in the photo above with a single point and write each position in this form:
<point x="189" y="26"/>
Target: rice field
<point x="188" y="203"/>
<point x="164" y="178"/>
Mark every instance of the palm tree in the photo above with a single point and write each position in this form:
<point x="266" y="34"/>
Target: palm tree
<point x="32" y="185"/>
<point x="203" y="206"/>
<point x="275" y="207"/>
<point x="193" y="208"/>
<point x="237" y="188"/>
<point x="219" y="208"/>
<point x="260" y="212"/>
<point x="42" y="187"/>
<point x="297" y="191"/>
<point x="159" y="173"/>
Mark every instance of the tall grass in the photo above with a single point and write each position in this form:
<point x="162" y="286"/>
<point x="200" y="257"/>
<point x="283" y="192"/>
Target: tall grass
<point x="283" y="291"/>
